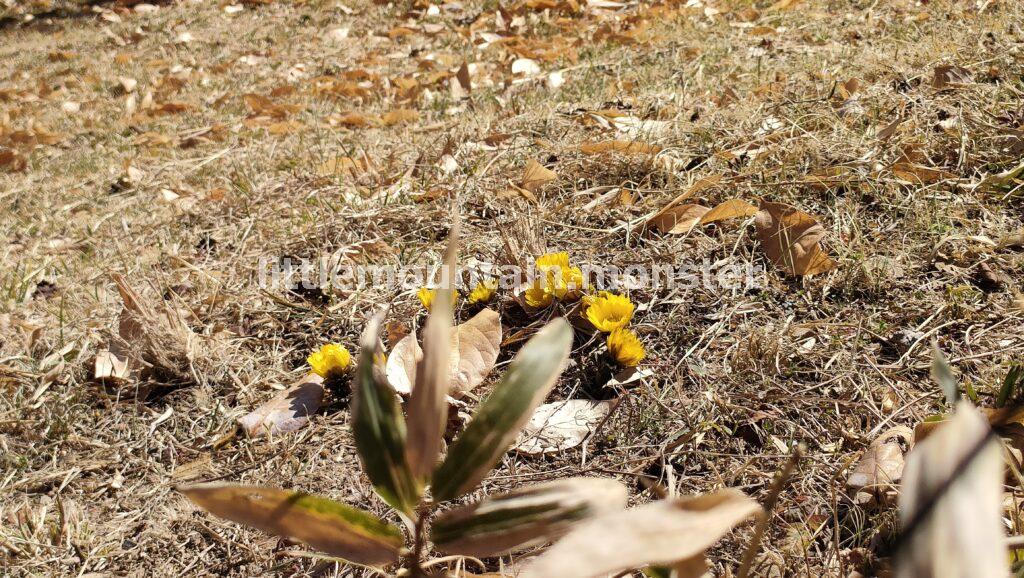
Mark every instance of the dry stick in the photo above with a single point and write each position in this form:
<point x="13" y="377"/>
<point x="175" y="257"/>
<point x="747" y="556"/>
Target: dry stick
<point x="763" y="520"/>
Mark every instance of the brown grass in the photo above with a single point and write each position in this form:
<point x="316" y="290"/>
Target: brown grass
<point x="86" y="474"/>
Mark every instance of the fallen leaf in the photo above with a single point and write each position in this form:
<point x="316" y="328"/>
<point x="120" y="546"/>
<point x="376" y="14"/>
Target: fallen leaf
<point x="679" y="219"/>
<point x="950" y="76"/>
<point x="790" y="239"/>
<point x="879" y="470"/>
<point x="475" y="346"/>
<point x="400" y="116"/>
<point x="919" y="174"/>
<point x="479" y="342"/>
<point x="730" y="209"/>
<point x="536" y="175"/>
<point x="562" y="425"/>
<point x="287" y="411"/>
<point x="697" y="187"/>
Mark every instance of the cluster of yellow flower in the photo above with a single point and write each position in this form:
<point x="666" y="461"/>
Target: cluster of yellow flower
<point x="611" y="313"/>
<point x="557" y="280"/>
<point x="482" y="293"/>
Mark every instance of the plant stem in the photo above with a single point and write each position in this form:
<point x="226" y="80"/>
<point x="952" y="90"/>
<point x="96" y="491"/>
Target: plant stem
<point x="419" y="539"/>
<point x="766" y="515"/>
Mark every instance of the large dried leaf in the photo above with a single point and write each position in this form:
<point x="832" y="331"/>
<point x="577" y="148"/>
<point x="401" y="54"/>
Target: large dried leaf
<point x="428" y="410"/>
<point x="962" y="534"/>
<point x="662" y="533"/>
<point x="479" y="342"/>
<point x="536" y="175"/>
<point x="879" y="470"/>
<point x="287" y="411"/>
<point x="790" y="239"/>
<point x="525" y="517"/>
<point x="400" y="368"/>
<point x="379" y="428"/>
<point x="679" y="219"/>
<point x="730" y="209"/>
<point x="499" y="418"/>
<point x="562" y="425"/>
<point x="700" y="185"/>
<point x="474" y="351"/>
<point x="326" y="525"/>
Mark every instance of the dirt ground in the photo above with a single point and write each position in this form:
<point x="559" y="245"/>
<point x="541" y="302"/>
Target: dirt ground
<point x="181" y="144"/>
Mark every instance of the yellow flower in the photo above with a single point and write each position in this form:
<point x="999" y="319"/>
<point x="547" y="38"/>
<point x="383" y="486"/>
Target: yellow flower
<point x="537" y="296"/>
<point x="484" y="291"/>
<point x="625" y="347"/>
<point x="608" y="311"/>
<point x="426" y="297"/>
<point x="330" y="361"/>
<point x="562" y="280"/>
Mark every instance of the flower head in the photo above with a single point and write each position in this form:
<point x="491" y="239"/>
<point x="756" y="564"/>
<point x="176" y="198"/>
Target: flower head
<point x="537" y="295"/>
<point x="608" y="311"/>
<point x="330" y="360"/>
<point x="484" y="291"/>
<point x="625" y="347"/>
<point x="561" y="280"/>
<point x="426" y="296"/>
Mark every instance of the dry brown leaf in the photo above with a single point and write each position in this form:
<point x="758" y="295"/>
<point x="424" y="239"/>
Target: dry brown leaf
<point x="919" y="174"/>
<point x="962" y="534"/>
<point x="730" y="209"/>
<point x="401" y="364"/>
<point x="12" y="161"/>
<point x="562" y="425"/>
<point x="790" y="239"/>
<point x="697" y="187"/>
<point x="662" y="533"/>
<point x="479" y="342"/>
<point x="288" y="410"/>
<point x="619" y="146"/>
<point x="679" y="219"/>
<point x="354" y="120"/>
<point x="879" y="470"/>
<point x="474" y="351"/>
<point x="400" y="116"/>
<point x="536" y="175"/>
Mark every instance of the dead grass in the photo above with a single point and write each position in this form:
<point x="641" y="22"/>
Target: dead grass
<point x="86" y="476"/>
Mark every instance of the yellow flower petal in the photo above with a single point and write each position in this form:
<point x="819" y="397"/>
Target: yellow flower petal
<point x="537" y="295"/>
<point x="625" y="347"/>
<point x="562" y="280"/>
<point x="484" y="291"/>
<point x="330" y="360"/>
<point x="608" y="311"/>
<point x="426" y="296"/>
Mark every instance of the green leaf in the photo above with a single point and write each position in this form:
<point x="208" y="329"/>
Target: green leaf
<point x="379" y="428"/>
<point x="524" y="517"/>
<point x="326" y="525"/>
<point x="499" y="418"/>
